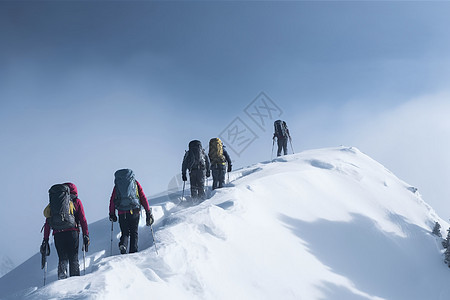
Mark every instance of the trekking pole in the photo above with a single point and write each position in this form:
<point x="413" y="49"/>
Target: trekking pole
<point x="112" y="228"/>
<point x="45" y="272"/>
<point x="273" y="144"/>
<point x="44" y="254"/>
<point x="44" y="266"/>
<point x="154" y="242"/>
<point x="207" y="192"/>
<point x="84" y="258"/>
<point x="290" y="140"/>
<point x="184" y="184"/>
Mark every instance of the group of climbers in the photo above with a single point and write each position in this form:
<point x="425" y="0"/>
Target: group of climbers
<point x="65" y="216"/>
<point x="201" y="165"/>
<point x="65" y="213"/>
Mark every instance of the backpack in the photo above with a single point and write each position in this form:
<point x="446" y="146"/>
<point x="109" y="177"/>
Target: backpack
<point x="280" y="128"/>
<point x="60" y="211"/>
<point x="127" y="195"/>
<point x="196" y="156"/>
<point x="216" y="151"/>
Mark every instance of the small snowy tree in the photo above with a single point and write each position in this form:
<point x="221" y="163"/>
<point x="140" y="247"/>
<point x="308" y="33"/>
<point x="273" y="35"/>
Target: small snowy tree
<point x="445" y="241"/>
<point x="445" y="244"/>
<point x="447" y="257"/>
<point x="437" y="229"/>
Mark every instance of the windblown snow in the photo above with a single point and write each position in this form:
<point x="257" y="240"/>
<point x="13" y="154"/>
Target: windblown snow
<point x="322" y="224"/>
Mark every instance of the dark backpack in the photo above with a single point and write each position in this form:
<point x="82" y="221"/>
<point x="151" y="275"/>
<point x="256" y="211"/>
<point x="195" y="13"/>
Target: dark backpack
<point x="196" y="156"/>
<point x="61" y="208"/>
<point x="216" y="151"/>
<point x="280" y="128"/>
<point x="127" y="195"/>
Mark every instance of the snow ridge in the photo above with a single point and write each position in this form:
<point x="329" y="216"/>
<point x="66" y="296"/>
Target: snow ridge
<point x="322" y="224"/>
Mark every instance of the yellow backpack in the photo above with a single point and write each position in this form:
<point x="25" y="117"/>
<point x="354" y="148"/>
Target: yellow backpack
<point x="216" y="152"/>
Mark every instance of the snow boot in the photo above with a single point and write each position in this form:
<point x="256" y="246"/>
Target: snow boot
<point x="62" y="270"/>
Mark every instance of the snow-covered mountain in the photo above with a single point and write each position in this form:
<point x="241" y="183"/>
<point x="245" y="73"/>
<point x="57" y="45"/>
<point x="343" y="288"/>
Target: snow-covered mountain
<point x="321" y="224"/>
<point x="6" y="265"/>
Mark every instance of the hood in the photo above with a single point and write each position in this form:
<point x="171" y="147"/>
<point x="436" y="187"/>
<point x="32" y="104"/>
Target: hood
<point x="73" y="188"/>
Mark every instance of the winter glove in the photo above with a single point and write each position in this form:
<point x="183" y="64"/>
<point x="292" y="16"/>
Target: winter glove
<point x="208" y="173"/>
<point x="86" y="242"/>
<point x="113" y="217"/>
<point x="183" y="176"/>
<point x="229" y="168"/>
<point x="149" y="218"/>
<point x="45" y="248"/>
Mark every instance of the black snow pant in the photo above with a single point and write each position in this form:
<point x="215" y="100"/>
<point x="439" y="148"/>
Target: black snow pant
<point x="66" y="244"/>
<point x="218" y="173"/>
<point x="197" y="178"/>
<point x="129" y="225"/>
<point x="282" y="145"/>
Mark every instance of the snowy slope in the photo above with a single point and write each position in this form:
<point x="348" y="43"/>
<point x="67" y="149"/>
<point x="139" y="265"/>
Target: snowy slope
<point x="322" y="224"/>
<point x="6" y="265"/>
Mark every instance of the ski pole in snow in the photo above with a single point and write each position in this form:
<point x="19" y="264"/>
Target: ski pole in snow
<point x="290" y="140"/>
<point x="45" y="251"/>
<point x="112" y="229"/>
<point x="84" y="259"/>
<point x="207" y="192"/>
<point x="154" y="242"/>
<point x="45" y="272"/>
<point x="273" y="144"/>
<point x="184" y="184"/>
<point x="44" y="266"/>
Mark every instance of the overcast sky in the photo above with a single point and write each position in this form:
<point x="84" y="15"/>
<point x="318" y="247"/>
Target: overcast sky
<point x="87" y="88"/>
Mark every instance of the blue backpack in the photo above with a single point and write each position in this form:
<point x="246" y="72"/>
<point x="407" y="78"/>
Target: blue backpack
<point x="127" y="195"/>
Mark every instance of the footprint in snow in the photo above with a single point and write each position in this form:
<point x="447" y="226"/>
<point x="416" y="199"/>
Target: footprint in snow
<point x="412" y="189"/>
<point x="246" y="173"/>
<point x="321" y="164"/>
<point x="349" y="149"/>
<point x="226" y="205"/>
<point x="280" y="159"/>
